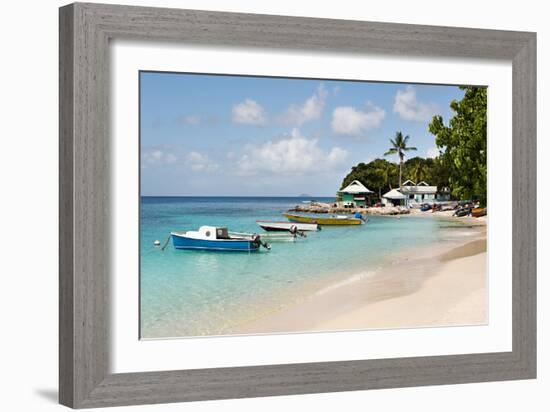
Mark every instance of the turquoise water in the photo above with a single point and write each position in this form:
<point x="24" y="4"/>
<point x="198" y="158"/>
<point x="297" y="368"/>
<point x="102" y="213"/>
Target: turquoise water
<point x="191" y="293"/>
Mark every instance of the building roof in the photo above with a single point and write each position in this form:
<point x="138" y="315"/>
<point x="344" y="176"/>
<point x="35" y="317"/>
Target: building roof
<point x="355" y="187"/>
<point x="410" y="187"/>
<point x="394" y="194"/>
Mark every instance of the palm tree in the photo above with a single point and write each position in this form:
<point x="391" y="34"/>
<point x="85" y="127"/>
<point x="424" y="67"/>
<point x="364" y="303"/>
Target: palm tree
<point x="418" y="172"/>
<point x="399" y="146"/>
<point x="386" y="172"/>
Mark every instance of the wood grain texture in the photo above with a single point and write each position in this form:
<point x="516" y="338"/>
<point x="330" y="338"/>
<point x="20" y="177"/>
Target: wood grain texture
<point x="66" y="109"/>
<point x="85" y="31"/>
<point x="524" y="186"/>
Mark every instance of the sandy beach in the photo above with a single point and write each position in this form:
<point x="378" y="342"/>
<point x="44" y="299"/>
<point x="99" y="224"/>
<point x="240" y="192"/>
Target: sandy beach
<point x="440" y="286"/>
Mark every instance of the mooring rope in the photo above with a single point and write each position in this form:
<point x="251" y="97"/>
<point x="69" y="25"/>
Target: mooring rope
<point x="166" y="243"/>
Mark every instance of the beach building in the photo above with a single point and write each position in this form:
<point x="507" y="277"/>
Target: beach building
<point x="394" y="198"/>
<point x="418" y="193"/>
<point x="355" y="194"/>
<point x="411" y="193"/>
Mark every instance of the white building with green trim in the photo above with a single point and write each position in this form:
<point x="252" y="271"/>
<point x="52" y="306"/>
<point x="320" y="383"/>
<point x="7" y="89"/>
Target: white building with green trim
<point x="411" y="193"/>
<point x="355" y="194"/>
<point x="418" y="193"/>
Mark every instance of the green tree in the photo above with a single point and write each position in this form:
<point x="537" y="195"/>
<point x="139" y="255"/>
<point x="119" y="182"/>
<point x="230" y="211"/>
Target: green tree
<point x="417" y="169"/>
<point x="388" y="172"/>
<point x="399" y="147"/>
<point x="438" y="174"/>
<point x="377" y="175"/>
<point x="463" y="144"/>
<point x="419" y="172"/>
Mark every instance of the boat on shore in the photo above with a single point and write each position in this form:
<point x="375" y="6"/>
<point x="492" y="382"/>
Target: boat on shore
<point x="464" y="211"/>
<point x="479" y="211"/>
<point x="335" y="220"/>
<point x="271" y="226"/>
<point x="217" y="238"/>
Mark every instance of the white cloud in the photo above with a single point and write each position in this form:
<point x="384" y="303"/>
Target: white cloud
<point x="294" y="154"/>
<point x="163" y="156"/>
<point x="348" y="120"/>
<point x="249" y="112"/>
<point x="432" y="152"/>
<point x="192" y="119"/>
<point x="199" y="162"/>
<point x="311" y="109"/>
<point x="157" y="157"/>
<point x="409" y="108"/>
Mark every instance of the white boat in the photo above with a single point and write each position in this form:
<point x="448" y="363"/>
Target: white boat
<point x="270" y="226"/>
<point x="270" y="237"/>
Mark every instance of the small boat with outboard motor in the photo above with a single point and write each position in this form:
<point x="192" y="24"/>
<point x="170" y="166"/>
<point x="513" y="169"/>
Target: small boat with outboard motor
<point x="272" y="226"/>
<point x="219" y="239"/>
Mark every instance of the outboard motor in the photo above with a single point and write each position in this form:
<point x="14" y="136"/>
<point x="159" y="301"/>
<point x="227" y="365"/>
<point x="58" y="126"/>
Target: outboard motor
<point x="256" y="238"/>
<point x="359" y="215"/>
<point x="294" y="231"/>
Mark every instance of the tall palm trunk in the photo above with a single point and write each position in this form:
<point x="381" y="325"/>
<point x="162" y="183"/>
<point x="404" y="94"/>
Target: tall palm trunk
<point x="400" y="168"/>
<point x="399" y="147"/>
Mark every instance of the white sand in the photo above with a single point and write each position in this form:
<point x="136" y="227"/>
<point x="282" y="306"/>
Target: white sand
<point x="447" y="290"/>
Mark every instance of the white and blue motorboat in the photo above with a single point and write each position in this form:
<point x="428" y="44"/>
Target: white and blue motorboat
<point x="217" y="238"/>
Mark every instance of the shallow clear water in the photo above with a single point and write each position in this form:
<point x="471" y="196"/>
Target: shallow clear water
<point x="189" y="293"/>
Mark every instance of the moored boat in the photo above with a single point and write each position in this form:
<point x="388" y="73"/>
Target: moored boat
<point x="271" y="226"/>
<point x="337" y="220"/>
<point x="216" y="238"/>
<point x="281" y="237"/>
<point x="271" y="237"/>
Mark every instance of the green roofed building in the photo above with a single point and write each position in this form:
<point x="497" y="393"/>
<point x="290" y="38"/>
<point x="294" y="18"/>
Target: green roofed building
<point x="355" y="194"/>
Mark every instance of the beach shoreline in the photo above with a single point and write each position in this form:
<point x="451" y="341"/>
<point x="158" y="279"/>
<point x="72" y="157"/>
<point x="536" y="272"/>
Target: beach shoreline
<point x="439" y="285"/>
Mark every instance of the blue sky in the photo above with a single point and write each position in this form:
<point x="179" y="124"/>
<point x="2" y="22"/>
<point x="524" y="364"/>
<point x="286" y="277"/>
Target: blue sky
<point x="206" y="135"/>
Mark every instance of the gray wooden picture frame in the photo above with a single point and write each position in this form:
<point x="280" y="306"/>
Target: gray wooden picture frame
<point x="85" y="32"/>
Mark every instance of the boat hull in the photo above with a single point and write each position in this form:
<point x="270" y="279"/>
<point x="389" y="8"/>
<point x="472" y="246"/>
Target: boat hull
<point x="479" y="211"/>
<point x="278" y="237"/>
<point x="328" y="221"/>
<point x="286" y="226"/>
<point x="230" y="245"/>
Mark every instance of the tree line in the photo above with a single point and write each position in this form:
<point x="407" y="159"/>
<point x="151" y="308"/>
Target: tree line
<point x="381" y="176"/>
<point x="462" y="161"/>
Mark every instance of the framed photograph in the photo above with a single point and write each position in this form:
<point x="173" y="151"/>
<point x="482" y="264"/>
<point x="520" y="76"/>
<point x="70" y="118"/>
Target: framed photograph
<point x="256" y="205"/>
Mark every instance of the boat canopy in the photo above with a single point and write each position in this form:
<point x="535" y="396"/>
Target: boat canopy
<point x="209" y="233"/>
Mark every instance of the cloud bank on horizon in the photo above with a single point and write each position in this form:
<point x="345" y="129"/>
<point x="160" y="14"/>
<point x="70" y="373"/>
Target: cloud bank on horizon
<point x="204" y="135"/>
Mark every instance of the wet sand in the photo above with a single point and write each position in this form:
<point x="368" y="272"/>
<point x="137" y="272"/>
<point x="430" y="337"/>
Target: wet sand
<point x="413" y="289"/>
